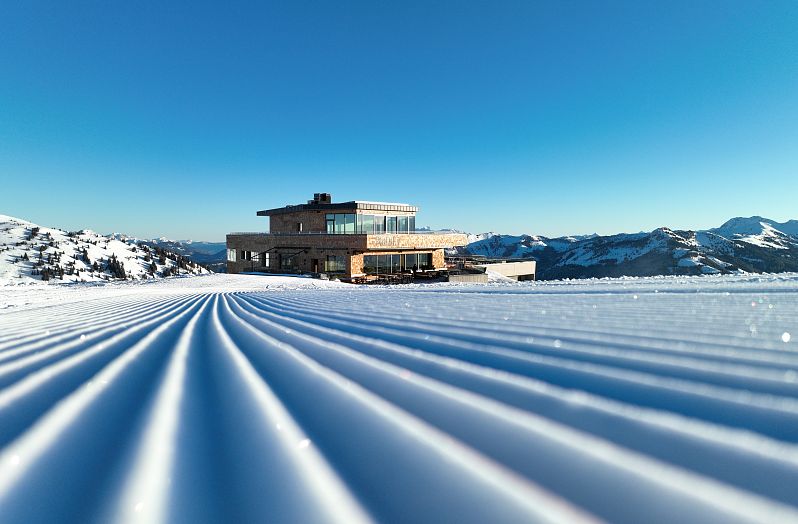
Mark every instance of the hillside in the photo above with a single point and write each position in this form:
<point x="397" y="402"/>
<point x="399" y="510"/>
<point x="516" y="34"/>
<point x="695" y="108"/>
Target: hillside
<point x="32" y="253"/>
<point x="754" y="244"/>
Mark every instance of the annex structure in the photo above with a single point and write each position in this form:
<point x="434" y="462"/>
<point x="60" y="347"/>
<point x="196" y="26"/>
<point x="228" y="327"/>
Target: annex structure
<point x="350" y="240"/>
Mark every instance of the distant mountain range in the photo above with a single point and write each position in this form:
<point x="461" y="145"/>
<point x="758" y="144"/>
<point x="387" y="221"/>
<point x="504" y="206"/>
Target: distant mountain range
<point x="753" y="244"/>
<point x="29" y="253"/>
<point x="212" y="255"/>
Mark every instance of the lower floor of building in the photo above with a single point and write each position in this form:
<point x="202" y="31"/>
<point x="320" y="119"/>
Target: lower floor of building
<point x="334" y="262"/>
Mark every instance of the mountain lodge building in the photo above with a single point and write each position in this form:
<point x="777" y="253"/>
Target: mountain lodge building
<point x="345" y="239"/>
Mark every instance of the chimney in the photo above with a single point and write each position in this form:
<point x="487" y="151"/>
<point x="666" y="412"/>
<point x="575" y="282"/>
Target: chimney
<point x="321" y="198"/>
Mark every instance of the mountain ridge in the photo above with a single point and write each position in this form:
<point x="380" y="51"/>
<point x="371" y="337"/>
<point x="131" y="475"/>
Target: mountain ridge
<point x="741" y="244"/>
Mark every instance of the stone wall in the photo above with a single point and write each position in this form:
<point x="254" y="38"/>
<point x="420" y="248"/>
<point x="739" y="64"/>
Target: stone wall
<point x="318" y="247"/>
<point x="356" y="264"/>
<point x="438" y="260"/>
<point x="310" y="247"/>
<point x="415" y="241"/>
<point x="263" y="242"/>
<point x="312" y="221"/>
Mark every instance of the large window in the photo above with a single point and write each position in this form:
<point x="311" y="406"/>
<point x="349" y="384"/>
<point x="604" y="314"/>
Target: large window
<point x="365" y="223"/>
<point x="335" y="264"/>
<point x="381" y="264"/>
<point x="350" y="223"/>
<point x="231" y="255"/>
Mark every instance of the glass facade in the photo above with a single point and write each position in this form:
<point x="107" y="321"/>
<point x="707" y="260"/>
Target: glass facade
<point x="365" y="223"/>
<point x="374" y="264"/>
<point x="349" y="223"/>
<point x="379" y="224"/>
<point x="335" y="264"/>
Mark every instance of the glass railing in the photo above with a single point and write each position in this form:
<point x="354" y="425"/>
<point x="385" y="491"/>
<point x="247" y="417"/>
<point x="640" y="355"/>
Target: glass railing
<point x="305" y="233"/>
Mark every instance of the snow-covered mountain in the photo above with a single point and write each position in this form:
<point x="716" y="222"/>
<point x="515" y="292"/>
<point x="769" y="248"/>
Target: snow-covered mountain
<point x="31" y="253"/>
<point x="754" y="244"/>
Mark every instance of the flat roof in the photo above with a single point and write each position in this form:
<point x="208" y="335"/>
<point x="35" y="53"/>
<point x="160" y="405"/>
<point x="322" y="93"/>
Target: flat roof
<point x="352" y="205"/>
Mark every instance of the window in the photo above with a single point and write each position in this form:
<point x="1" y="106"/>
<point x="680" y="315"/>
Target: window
<point x="349" y="223"/>
<point x="381" y="264"/>
<point x="264" y="259"/>
<point x="379" y="224"/>
<point x="299" y="227"/>
<point x="425" y="260"/>
<point x="374" y="264"/>
<point x="335" y="264"/>
<point x="286" y="261"/>
<point x="352" y="223"/>
<point x="231" y="255"/>
<point x="366" y="224"/>
<point x="370" y="264"/>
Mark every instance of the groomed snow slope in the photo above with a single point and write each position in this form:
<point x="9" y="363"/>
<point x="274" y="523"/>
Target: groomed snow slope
<point x="241" y="398"/>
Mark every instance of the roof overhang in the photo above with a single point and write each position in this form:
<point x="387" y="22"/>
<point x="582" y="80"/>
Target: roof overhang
<point x="340" y="206"/>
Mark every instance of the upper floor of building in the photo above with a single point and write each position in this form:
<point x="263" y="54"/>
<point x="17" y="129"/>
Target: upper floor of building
<point x="321" y="215"/>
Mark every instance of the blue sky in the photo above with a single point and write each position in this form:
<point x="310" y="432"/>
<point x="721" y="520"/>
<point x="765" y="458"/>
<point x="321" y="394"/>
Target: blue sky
<point x="183" y="119"/>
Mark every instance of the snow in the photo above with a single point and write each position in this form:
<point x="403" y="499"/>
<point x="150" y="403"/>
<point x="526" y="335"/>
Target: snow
<point x="245" y="398"/>
<point x="507" y="246"/>
<point x="20" y="238"/>
<point x="587" y="255"/>
<point x="689" y="262"/>
<point x="759" y="231"/>
<point x="494" y="276"/>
